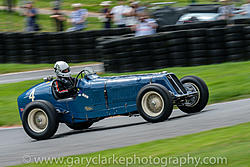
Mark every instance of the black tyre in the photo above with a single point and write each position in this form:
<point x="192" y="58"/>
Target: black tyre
<point x="233" y="37"/>
<point x="215" y="39"/>
<point x="178" y="55"/>
<point x="176" y="34"/>
<point x="217" y="52"/>
<point x="177" y="48"/>
<point x="235" y="44"/>
<point x="154" y="103"/>
<point x="234" y="29"/>
<point x="216" y="45"/>
<point x="201" y="46"/>
<point x="177" y="41"/>
<point x="198" y="61"/>
<point x="80" y="126"/>
<point x="158" y="51"/>
<point x="40" y="120"/>
<point x="198" y="53"/>
<point x="232" y="51"/>
<point x="197" y="40"/>
<point x="197" y="33"/>
<point x="247" y="37"/>
<point x="196" y="103"/>
<point x="235" y="57"/>
<point x="247" y="29"/>
<point x="214" y="32"/>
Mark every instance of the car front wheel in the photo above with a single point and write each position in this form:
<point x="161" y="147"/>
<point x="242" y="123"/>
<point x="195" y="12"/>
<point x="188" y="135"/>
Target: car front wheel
<point x="197" y="102"/>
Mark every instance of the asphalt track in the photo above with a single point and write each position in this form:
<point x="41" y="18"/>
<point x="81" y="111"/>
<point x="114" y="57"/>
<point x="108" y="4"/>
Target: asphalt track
<point x="40" y="74"/>
<point x="118" y="132"/>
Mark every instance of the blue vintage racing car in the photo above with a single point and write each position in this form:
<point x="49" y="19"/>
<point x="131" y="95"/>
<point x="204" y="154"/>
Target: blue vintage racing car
<point x="150" y="95"/>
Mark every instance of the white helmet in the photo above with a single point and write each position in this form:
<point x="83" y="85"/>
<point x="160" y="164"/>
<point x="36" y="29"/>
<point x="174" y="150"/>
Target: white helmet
<point x="62" y="69"/>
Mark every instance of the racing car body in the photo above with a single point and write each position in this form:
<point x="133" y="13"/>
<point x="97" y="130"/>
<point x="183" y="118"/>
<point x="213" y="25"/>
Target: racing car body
<point x="150" y="95"/>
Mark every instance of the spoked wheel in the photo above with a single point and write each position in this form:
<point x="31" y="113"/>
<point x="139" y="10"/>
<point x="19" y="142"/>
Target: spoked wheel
<point x="199" y="100"/>
<point x="40" y="120"/>
<point x="192" y="101"/>
<point x="154" y="103"/>
<point x="80" y="126"/>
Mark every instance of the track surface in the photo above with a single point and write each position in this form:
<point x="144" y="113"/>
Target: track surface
<point x="119" y="132"/>
<point x="40" y="74"/>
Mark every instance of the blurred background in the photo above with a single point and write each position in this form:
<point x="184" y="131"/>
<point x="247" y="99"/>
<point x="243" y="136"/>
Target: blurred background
<point x="12" y="12"/>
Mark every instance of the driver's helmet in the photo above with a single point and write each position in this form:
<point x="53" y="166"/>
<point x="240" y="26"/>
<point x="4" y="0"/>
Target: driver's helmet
<point x="62" y="69"/>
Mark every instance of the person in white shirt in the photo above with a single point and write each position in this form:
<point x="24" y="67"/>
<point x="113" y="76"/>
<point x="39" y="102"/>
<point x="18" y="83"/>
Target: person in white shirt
<point x="118" y="14"/>
<point x="226" y="10"/>
<point x="135" y="9"/>
<point x="78" y="18"/>
<point x="146" y="25"/>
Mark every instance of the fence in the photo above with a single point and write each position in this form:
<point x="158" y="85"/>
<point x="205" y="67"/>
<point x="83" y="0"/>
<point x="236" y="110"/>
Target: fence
<point x="182" y="45"/>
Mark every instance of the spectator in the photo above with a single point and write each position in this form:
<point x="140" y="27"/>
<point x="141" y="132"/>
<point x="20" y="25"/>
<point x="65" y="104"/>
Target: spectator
<point x="78" y="18"/>
<point x="107" y="16"/>
<point x="31" y="17"/>
<point x="133" y="12"/>
<point x="246" y="8"/>
<point x="59" y="19"/>
<point x="226" y="10"/>
<point x="146" y="25"/>
<point x="118" y="14"/>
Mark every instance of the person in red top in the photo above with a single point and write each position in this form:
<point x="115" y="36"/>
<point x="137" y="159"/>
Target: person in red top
<point x="64" y="84"/>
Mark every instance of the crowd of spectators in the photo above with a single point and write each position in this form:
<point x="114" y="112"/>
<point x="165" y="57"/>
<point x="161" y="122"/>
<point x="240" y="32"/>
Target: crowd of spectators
<point x="132" y="14"/>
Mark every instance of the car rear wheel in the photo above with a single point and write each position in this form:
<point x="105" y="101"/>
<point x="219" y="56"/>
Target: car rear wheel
<point x="197" y="102"/>
<point x="80" y="126"/>
<point x="40" y="120"/>
<point x="154" y="103"/>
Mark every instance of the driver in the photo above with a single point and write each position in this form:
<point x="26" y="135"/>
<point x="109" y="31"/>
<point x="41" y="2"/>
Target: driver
<point x="64" y="85"/>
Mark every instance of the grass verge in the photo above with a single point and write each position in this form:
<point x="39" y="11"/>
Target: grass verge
<point x="223" y="147"/>
<point x="227" y="81"/>
<point x="10" y="68"/>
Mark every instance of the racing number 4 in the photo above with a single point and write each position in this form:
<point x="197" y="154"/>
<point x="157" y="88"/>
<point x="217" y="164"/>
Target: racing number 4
<point x="32" y="95"/>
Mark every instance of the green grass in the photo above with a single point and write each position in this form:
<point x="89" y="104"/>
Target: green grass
<point x="228" y="81"/>
<point x="10" y="68"/>
<point x="231" y="145"/>
<point x="14" y="22"/>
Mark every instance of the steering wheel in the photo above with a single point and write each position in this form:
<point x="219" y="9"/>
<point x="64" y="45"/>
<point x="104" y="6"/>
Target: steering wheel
<point x="85" y="72"/>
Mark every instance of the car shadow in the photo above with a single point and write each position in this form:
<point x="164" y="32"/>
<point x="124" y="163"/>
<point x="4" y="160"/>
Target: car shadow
<point x="187" y="115"/>
<point x="100" y="128"/>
